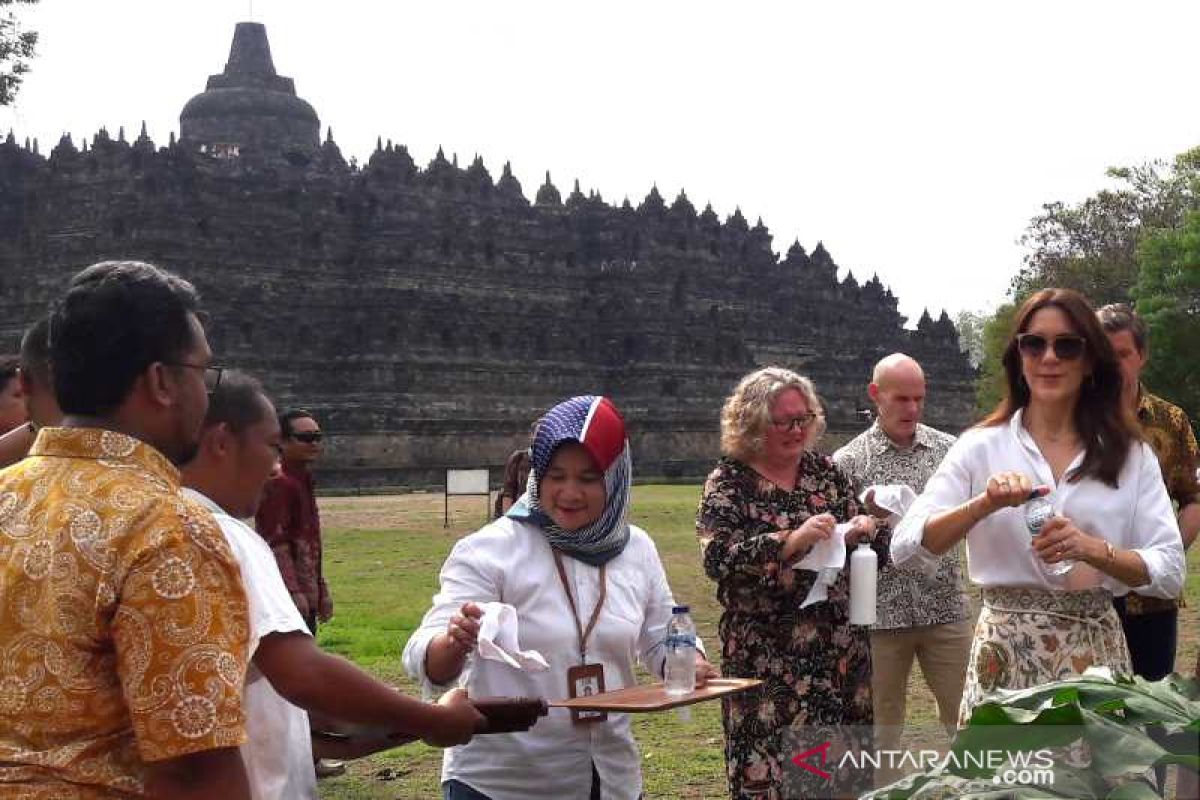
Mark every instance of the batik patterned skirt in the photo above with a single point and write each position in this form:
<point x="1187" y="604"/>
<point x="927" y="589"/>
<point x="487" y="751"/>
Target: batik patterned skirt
<point x="1025" y="637"/>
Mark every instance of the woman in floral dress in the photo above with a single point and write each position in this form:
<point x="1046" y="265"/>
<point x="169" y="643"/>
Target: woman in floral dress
<point x="765" y="506"/>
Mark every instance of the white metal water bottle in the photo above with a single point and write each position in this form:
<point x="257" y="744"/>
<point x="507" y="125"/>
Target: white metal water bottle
<point x="680" y="671"/>
<point x="864" y="573"/>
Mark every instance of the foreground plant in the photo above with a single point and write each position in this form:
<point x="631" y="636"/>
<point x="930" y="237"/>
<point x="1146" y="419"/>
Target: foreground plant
<point x="1128" y="725"/>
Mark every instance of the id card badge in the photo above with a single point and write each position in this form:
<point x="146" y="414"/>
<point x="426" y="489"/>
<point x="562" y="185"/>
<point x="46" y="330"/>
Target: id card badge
<point x="586" y="680"/>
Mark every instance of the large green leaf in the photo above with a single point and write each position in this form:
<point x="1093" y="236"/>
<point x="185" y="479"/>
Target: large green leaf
<point x="994" y="727"/>
<point x="1109" y="714"/>
<point x="1118" y="749"/>
<point x="1135" y="790"/>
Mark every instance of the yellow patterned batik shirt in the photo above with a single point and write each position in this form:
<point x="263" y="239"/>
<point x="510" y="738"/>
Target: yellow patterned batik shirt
<point x="1169" y="432"/>
<point x="123" y="622"/>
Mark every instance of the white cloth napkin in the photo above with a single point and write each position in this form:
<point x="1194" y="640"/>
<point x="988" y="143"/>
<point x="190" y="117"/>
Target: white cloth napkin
<point x="893" y="497"/>
<point x="498" y="640"/>
<point x="826" y="558"/>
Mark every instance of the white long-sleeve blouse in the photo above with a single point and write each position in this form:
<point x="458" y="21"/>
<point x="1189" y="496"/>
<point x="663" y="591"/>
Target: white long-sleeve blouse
<point x="511" y="562"/>
<point x="1136" y="515"/>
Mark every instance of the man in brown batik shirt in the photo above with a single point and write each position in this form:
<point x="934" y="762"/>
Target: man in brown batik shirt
<point x="1152" y="624"/>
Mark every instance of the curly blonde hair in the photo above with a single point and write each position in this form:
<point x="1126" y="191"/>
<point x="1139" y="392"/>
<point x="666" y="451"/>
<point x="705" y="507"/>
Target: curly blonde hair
<point x="747" y="412"/>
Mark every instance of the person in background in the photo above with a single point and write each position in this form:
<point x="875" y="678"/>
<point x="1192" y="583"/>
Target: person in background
<point x="122" y="617"/>
<point x="289" y="674"/>
<point x="37" y="391"/>
<point x="1151" y="624"/>
<point x="1061" y="427"/>
<point x="591" y="596"/>
<point x="770" y="500"/>
<point x="12" y="404"/>
<point x="516" y="475"/>
<point x="289" y="521"/>
<point x="922" y="617"/>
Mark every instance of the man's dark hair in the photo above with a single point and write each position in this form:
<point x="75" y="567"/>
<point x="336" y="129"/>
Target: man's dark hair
<point x="1117" y="317"/>
<point x="8" y="370"/>
<point x="116" y="319"/>
<point x="237" y="401"/>
<point x="35" y="352"/>
<point x="285" y="419"/>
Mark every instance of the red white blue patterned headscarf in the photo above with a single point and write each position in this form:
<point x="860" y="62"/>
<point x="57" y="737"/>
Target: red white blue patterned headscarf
<point x="595" y="423"/>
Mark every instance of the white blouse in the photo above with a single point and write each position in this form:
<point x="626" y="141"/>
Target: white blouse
<point x="1137" y="515"/>
<point x="511" y="562"/>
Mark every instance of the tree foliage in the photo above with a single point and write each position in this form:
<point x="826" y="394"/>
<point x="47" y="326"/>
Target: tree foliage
<point x="16" y="48"/>
<point x="1168" y="296"/>
<point x="1095" y="247"/>
<point x="969" y="325"/>
<point x="989" y="386"/>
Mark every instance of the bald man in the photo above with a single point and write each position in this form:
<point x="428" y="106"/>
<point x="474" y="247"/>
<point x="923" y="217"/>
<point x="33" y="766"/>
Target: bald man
<point x="920" y="616"/>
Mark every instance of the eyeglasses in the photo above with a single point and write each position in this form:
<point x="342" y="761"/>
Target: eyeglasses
<point x="1066" y="348"/>
<point x="212" y="375"/>
<point x="794" y="423"/>
<point x="308" y="437"/>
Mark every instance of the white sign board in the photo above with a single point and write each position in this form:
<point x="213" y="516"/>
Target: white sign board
<point x="467" y="481"/>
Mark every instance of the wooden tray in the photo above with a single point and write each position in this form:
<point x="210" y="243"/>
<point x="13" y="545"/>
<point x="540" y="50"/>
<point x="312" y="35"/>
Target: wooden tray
<point x="654" y="697"/>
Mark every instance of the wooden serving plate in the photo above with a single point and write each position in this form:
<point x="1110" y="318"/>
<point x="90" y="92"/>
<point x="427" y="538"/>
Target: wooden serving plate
<point x="653" y="697"/>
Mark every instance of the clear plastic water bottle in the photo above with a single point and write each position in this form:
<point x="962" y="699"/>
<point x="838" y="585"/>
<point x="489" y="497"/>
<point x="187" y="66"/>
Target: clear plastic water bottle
<point x="681" y="652"/>
<point x="1038" y="512"/>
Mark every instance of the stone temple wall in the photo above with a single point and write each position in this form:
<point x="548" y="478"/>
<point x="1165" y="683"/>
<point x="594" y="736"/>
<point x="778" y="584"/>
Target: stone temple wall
<point x="427" y="316"/>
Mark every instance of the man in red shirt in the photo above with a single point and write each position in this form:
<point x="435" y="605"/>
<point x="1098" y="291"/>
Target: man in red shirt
<point x="287" y="518"/>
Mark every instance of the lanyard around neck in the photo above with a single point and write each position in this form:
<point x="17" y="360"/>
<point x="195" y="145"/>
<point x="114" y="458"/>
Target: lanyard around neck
<point x="582" y="632"/>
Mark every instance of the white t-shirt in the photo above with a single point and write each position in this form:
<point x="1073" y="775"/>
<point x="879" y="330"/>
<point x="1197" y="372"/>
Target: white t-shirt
<point x="278" y="750"/>
<point x="511" y="562"/>
<point x="1137" y="515"/>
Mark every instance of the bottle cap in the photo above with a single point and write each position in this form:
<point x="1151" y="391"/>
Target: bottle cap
<point x="863" y="544"/>
<point x="679" y="610"/>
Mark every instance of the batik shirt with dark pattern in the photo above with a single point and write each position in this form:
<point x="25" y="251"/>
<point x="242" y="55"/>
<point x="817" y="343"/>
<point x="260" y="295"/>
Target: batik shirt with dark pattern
<point x="907" y="597"/>
<point x="1169" y="432"/>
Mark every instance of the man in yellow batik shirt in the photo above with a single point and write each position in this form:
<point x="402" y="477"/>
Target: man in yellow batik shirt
<point x="1152" y="624"/>
<point x="123" y="621"/>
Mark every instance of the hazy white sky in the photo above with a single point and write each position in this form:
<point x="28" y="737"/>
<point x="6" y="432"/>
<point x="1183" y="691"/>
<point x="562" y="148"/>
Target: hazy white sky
<point x="915" y="139"/>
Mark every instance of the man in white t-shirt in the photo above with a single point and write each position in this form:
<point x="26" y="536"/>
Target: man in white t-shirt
<point x="289" y="674"/>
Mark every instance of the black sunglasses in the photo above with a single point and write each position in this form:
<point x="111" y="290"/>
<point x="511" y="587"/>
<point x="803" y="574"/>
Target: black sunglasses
<point x="1066" y="348"/>
<point x="308" y="437"/>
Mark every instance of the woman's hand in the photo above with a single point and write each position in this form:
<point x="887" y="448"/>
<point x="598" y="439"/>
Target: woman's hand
<point x="463" y="628"/>
<point x="862" y="528"/>
<point x="705" y="671"/>
<point x="1061" y="540"/>
<point x="815" y="529"/>
<point x="1009" y="489"/>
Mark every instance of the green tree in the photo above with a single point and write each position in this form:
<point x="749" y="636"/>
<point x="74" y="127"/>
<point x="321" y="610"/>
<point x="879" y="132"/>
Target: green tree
<point x="1093" y="247"/>
<point x="989" y="387"/>
<point x="1168" y="296"/>
<point x="16" y="48"/>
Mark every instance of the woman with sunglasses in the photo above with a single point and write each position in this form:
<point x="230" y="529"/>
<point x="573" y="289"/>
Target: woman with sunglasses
<point x="590" y="596"/>
<point x="768" y="503"/>
<point x="1062" y="431"/>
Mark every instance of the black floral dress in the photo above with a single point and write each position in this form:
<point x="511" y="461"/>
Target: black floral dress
<point x="815" y="666"/>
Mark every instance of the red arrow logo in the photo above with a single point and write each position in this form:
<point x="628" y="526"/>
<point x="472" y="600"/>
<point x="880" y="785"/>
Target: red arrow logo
<point x="800" y="760"/>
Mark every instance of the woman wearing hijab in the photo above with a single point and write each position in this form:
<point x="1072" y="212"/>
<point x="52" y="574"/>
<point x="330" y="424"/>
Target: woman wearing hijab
<point x="590" y="595"/>
<point x="1061" y="429"/>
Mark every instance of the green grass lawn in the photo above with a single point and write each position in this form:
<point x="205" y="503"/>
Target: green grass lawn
<point x="382" y="560"/>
